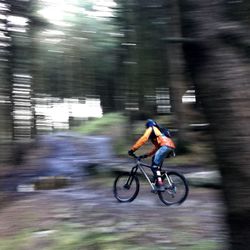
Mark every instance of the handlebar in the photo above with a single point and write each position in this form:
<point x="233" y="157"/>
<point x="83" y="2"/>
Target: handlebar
<point x="134" y="156"/>
<point x="138" y="158"/>
<point x="171" y="154"/>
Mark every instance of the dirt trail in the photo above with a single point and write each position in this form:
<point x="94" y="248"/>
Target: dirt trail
<point x="198" y="221"/>
<point x="89" y="206"/>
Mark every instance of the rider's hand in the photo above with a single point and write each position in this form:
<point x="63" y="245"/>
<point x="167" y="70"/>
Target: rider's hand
<point x="131" y="152"/>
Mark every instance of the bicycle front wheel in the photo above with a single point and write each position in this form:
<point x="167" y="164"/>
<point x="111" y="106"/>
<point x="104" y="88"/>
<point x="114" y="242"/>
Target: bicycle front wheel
<point x="126" y="187"/>
<point x="176" y="189"/>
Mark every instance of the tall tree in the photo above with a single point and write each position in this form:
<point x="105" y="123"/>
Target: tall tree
<point x="176" y="69"/>
<point x="219" y="65"/>
<point x="20" y="68"/>
<point x="143" y="54"/>
<point x="5" y="87"/>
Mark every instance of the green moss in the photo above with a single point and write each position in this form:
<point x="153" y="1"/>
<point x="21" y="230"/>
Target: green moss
<point x="112" y="125"/>
<point x="101" y="125"/>
<point x="19" y="241"/>
<point x="72" y="238"/>
<point x="68" y="236"/>
<point x="204" y="245"/>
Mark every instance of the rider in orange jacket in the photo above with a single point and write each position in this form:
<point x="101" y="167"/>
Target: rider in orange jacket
<point x="163" y="146"/>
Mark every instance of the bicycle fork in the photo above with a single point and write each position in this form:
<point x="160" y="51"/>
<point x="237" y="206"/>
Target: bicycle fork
<point x="131" y="177"/>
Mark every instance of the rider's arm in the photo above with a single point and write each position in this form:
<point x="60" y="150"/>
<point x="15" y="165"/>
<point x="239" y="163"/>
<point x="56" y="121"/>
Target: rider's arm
<point x="142" y="140"/>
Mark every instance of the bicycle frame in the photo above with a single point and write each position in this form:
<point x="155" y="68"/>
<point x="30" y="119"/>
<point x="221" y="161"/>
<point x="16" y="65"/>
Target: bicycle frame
<point x="141" y="166"/>
<point x="175" y="185"/>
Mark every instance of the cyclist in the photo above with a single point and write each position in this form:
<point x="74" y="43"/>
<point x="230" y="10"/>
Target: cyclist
<point x="163" y="146"/>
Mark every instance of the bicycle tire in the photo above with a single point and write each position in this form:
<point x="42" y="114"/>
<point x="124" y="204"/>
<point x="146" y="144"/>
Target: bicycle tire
<point x="178" y="193"/>
<point x="123" y="192"/>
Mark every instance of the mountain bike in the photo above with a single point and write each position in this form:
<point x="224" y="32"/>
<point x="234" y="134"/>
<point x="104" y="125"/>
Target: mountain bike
<point x="126" y="185"/>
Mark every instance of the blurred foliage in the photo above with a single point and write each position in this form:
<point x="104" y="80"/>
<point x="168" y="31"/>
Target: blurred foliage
<point x="138" y="59"/>
<point x="116" y="125"/>
<point x="104" y="125"/>
<point x="205" y="245"/>
<point x="73" y="236"/>
<point x="112" y="51"/>
<point x="112" y="125"/>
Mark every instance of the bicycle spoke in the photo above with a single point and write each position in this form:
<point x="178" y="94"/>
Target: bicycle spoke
<point x="176" y="191"/>
<point x="126" y="187"/>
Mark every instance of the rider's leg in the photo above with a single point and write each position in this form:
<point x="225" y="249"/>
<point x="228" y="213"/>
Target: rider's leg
<point x="154" y="167"/>
<point x="159" y="156"/>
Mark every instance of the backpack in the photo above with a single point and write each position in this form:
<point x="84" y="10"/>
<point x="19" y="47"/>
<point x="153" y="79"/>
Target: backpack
<point x="165" y="137"/>
<point x="165" y="131"/>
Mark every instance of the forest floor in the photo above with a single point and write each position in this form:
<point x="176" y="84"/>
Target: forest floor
<point x="85" y="215"/>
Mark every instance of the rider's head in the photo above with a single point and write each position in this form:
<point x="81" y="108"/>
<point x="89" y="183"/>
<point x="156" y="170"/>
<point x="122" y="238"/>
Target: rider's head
<point x="150" y="123"/>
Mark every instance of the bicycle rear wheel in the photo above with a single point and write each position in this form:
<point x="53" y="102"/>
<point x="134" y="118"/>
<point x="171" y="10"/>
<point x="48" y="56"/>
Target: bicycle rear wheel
<point x="126" y="187"/>
<point x="177" y="192"/>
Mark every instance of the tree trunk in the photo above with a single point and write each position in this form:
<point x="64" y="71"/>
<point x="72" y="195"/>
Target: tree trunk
<point x="6" y="121"/>
<point x="220" y="70"/>
<point x="19" y="72"/>
<point x="176" y="74"/>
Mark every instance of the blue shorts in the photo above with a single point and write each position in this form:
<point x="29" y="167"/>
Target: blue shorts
<point x="161" y="154"/>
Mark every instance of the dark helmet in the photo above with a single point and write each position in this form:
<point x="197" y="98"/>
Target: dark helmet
<point x="150" y="123"/>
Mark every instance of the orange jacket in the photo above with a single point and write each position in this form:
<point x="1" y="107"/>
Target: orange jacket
<point x="160" y="140"/>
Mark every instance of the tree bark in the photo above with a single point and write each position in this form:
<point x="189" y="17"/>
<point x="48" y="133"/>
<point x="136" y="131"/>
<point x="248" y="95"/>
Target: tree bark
<point x="178" y="84"/>
<point x="6" y="121"/>
<point x="220" y="71"/>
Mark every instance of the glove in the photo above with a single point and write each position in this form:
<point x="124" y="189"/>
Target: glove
<point x="143" y="156"/>
<point x="131" y="152"/>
